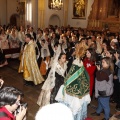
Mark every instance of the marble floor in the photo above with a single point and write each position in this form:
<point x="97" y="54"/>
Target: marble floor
<point x="13" y="78"/>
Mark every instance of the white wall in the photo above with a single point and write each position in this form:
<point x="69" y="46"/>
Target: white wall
<point x="11" y="9"/>
<point x="7" y="8"/>
<point x="78" y="22"/>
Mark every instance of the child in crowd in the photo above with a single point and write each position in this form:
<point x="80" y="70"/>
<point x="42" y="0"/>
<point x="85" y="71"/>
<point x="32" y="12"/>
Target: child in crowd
<point x="59" y="74"/>
<point x="89" y="64"/>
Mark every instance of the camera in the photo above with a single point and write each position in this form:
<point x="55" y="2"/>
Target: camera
<point x="98" y="63"/>
<point x="22" y="105"/>
<point x="116" y="51"/>
<point x="98" y="60"/>
<point x="98" y="57"/>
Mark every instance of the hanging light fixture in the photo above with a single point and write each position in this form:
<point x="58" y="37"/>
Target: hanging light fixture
<point x="56" y="4"/>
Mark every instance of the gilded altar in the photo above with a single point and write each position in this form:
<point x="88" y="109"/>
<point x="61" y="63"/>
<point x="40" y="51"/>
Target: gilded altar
<point x="105" y="16"/>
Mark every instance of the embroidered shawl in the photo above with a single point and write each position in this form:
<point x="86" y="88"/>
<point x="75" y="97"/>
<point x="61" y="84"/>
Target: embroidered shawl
<point x="76" y="82"/>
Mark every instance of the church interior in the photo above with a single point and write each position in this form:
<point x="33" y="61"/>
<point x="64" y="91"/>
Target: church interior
<point x="98" y="16"/>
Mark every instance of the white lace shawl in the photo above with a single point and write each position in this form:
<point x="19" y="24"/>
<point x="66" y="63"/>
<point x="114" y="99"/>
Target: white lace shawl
<point x="42" y="49"/>
<point x="50" y="81"/>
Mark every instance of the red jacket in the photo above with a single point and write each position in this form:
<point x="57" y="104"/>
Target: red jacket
<point x="90" y="68"/>
<point x="9" y="116"/>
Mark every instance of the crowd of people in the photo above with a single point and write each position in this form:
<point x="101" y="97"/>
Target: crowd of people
<point x="73" y="63"/>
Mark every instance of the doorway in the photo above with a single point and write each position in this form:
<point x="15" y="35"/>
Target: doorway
<point x="55" y="20"/>
<point x="15" y="20"/>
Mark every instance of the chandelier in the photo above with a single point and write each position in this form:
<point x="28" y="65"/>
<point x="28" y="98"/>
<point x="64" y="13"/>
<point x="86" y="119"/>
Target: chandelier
<point x="56" y="4"/>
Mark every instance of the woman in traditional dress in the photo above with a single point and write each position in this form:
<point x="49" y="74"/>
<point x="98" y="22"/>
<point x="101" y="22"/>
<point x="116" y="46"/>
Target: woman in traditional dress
<point x="21" y="37"/>
<point x="55" y="79"/>
<point x="3" y="40"/>
<point x="14" y="42"/>
<point x="75" y="91"/>
<point x="59" y="74"/>
<point x="13" y="38"/>
<point x="39" y="35"/>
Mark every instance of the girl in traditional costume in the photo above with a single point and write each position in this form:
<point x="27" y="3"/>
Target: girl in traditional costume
<point x="75" y="91"/>
<point x="59" y="74"/>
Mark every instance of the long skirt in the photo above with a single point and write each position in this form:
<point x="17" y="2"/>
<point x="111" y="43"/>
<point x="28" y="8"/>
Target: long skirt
<point x="58" y="82"/>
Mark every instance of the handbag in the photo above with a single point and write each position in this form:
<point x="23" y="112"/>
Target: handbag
<point x="102" y="93"/>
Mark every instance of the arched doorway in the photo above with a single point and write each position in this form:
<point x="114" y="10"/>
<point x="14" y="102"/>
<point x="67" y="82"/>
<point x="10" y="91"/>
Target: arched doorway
<point x="15" y="20"/>
<point x="55" y="20"/>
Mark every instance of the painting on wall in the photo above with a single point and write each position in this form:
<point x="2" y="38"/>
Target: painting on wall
<point x="79" y="9"/>
<point x="21" y="8"/>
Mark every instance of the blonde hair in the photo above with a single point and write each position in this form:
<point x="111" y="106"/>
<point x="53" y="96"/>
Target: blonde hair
<point x="80" y="49"/>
